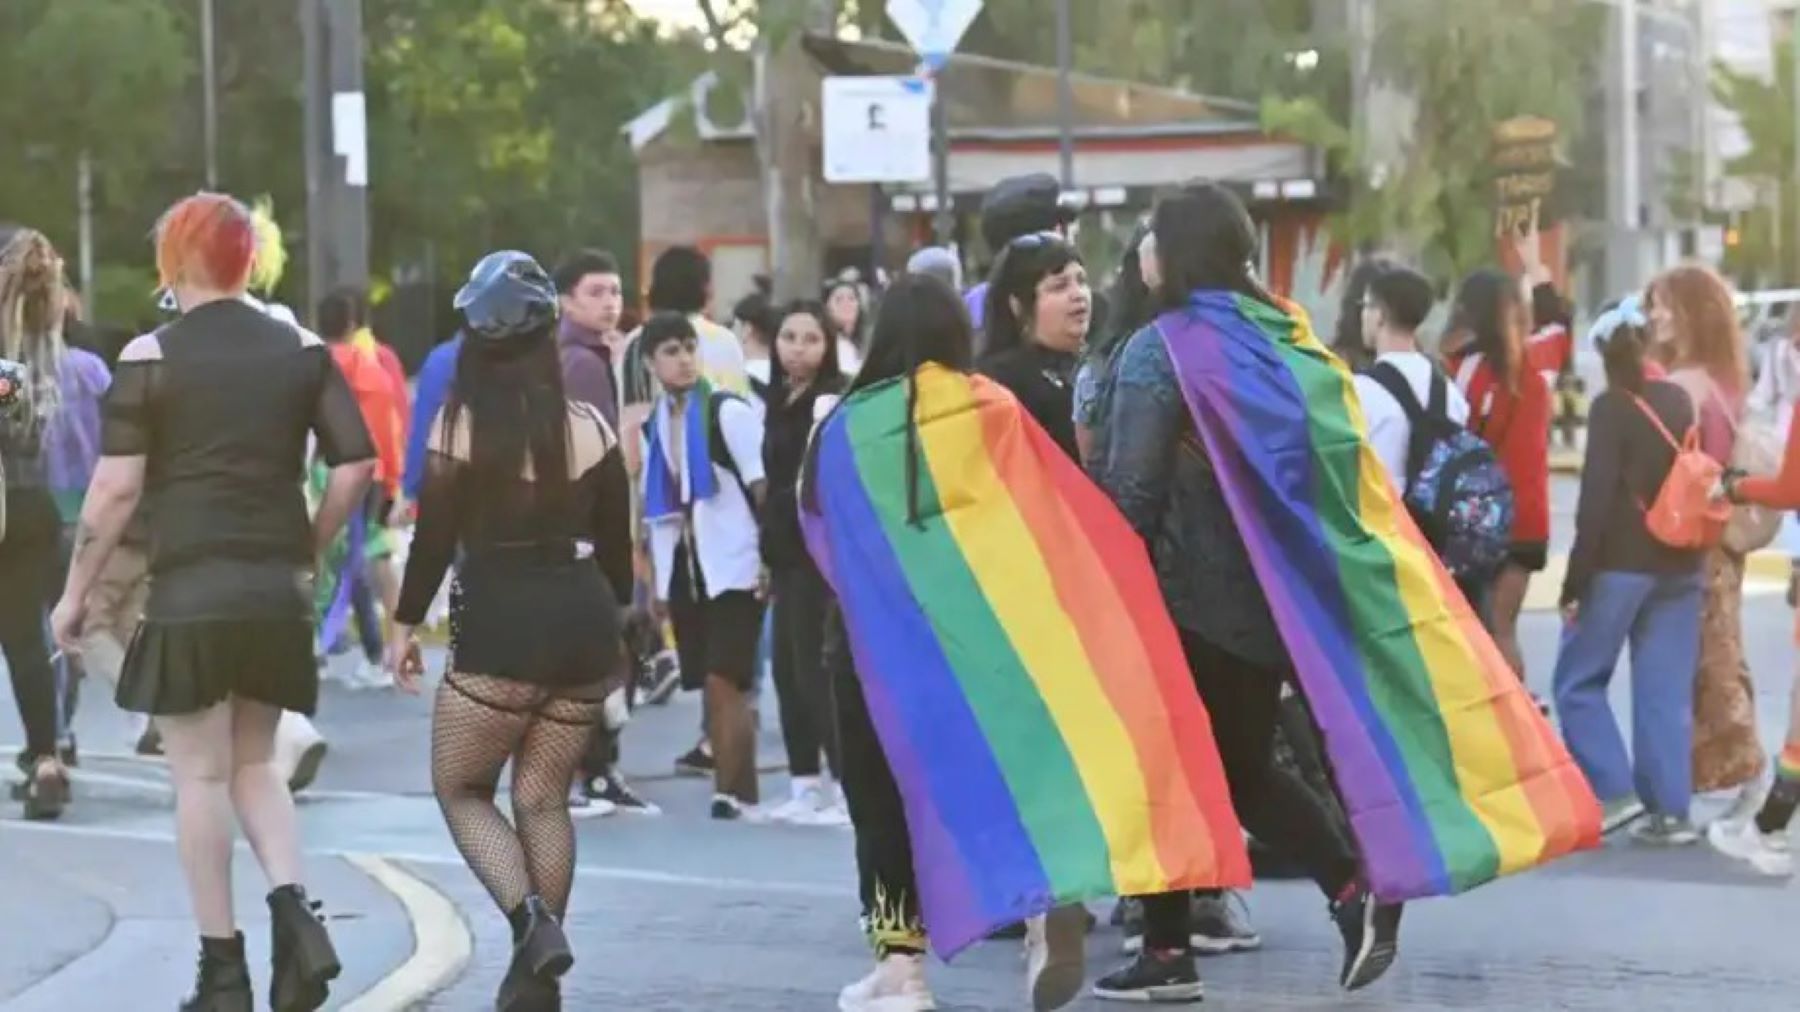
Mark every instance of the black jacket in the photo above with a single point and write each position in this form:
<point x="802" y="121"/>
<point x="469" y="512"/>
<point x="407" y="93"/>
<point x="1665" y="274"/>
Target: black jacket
<point x="1627" y="461"/>
<point x="786" y="429"/>
<point x="1044" y="382"/>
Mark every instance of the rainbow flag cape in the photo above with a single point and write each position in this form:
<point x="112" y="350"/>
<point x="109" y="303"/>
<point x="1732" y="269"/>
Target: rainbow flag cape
<point x="1448" y="773"/>
<point x="1020" y="667"/>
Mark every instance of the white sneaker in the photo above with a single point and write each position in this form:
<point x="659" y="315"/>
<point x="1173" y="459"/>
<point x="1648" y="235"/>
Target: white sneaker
<point x="1748" y="802"/>
<point x="370" y="675"/>
<point x="897" y="984"/>
<point x="1055" y="956"/>
<point x="299" y="749"/>
<point x="1768" y="853"/>
<point x="802" y="804"/>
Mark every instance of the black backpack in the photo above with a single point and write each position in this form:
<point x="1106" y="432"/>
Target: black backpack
<point x="718" y="449"/>
<point x="1454" y="486"/>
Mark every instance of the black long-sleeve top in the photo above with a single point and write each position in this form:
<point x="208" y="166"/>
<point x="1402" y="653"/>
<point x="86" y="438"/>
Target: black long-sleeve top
<point x="1627" y="462"/>
<point x="1044" y="382"/>
<point x="457" y="511"/>
<point x="786" y="429"/>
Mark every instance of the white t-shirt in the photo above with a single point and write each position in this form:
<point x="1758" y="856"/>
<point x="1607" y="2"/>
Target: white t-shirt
<point x="725" y="529"/>
<point x="1389" y="431"/>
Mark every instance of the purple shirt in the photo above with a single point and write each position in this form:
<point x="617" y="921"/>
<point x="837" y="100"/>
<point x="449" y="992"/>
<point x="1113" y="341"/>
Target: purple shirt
<point x="587" y="369"/>
<point x="72" y="436"/>
<point x="976" y="301"/>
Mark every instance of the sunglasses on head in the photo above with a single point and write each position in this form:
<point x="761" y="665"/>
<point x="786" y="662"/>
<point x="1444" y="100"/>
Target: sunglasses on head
<point x="1035" y="240"/>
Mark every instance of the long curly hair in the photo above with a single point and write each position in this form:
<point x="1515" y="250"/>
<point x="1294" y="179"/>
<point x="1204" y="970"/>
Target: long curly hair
<point x="1705" y="324"/>
<point x="33" y="304"/>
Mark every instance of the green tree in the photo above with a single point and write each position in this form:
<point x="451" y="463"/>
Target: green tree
<point x="100" y="78"/>
<point x="1465" y="67"/>
<point x="1768" y="250"/>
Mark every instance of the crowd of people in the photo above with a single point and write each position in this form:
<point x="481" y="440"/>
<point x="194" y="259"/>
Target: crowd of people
<point x="623" y="506"/>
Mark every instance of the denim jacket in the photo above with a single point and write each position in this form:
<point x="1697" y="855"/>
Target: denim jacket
<point x="1150" y="460"/>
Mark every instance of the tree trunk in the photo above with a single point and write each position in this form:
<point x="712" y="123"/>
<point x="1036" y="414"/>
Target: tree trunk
<point x="786" y="97"/>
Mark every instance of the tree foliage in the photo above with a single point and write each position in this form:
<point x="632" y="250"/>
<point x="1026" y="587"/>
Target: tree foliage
<point x="1464" y="67"/>
<point x="492" y="122"/>
<point x="1768" y="250"/>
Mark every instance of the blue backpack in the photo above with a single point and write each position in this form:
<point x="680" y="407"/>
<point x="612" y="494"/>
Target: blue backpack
<point x="1455" y="488"/>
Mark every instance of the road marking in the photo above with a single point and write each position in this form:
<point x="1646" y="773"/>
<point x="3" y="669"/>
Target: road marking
<point x="442" y="943"/>
<point x="599" y="872"/>
<point x="100" y="778"/>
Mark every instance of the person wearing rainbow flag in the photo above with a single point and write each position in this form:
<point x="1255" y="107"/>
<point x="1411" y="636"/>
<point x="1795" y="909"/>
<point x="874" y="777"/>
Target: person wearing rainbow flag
<point x="1236" y="446"/>
<point x="997" y="647"/>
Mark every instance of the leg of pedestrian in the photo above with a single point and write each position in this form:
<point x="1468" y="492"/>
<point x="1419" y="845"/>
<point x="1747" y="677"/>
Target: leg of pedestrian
<point x="1584" y="668"/>
<point x="304" y="960"/>
<point x="478" y="723"/>
<point x="1665" y="649"/>
<point x="199" y="748"/>
<point x="890" y="899"/>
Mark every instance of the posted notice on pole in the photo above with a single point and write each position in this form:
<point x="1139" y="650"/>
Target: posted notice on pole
<point x="350" y="135"/>
<point x="877" y="129"/>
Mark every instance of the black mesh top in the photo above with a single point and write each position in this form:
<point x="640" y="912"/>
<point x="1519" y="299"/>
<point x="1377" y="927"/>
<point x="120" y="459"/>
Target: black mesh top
<point x="512" y="522"/>
<point x="220" y="404"/>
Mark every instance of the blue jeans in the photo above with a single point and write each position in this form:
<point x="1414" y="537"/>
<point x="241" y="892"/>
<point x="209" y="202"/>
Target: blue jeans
<point x="1660" y="617"/>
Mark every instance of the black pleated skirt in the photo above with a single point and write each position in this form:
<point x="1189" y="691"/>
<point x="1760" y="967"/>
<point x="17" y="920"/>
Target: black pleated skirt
<point x="173" y="668"/>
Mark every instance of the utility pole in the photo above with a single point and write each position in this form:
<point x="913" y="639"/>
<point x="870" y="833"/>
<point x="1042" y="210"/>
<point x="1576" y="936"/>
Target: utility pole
<point x="1794" y="173"/>
<point x="944" y="222"/>
<point x="337" y="169"/>
<point x="1065" y="95"/>
<point x="209" y="94"/>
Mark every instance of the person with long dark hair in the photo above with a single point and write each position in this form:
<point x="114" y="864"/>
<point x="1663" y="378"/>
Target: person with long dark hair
<point x="1155" y="466"/>
<point x="804" y="382"/>
<point x="848" y="315"/>
<point x="206" y="422"/>
<point x="1130" y="305"/>
<point x="1509" y="407"/>
<point x="1623" y="585"/>
<point x="1039" y="307"/>
<point x="530" y="488"/>
<point x="31" y="338"/>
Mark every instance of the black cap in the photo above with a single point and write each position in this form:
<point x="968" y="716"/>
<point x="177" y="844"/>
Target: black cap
<point x="1021" y="205"/>
<point x="509" y="297"/>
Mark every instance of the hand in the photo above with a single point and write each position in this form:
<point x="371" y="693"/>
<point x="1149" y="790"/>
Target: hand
<point x="1728" y="485"/>
<point x="762" y="584"/>
<point x="404" y="660"/>
<point x="402" y="512"/>
<point x="66" y="621"/>
<point x="659" y="610"/>
<point x="1571" y="612"/>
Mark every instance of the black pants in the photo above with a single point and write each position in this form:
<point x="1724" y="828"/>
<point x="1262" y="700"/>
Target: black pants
<point x="1274" y="804"/>
<point x="28" y="565"/>
<point x="801" y="685"/>
<point x="884" y="865"/>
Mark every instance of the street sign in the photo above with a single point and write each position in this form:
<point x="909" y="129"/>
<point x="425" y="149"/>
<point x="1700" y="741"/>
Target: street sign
<point x="877" y="129"/>
<point x="933" y="27"/>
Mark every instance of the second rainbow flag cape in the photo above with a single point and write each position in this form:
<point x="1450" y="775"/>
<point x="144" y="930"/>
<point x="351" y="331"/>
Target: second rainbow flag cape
<point x="1448" y="773"/>
<point x="1020" y="667"/>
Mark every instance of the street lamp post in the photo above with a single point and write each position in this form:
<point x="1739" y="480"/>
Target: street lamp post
<point x="209" y="94"/>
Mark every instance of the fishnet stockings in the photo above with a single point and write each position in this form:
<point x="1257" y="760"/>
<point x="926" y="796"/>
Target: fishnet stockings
<point x="480" y="722"/>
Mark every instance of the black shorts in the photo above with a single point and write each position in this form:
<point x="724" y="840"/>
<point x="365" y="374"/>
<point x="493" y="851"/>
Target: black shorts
<point x="717" y="636"/>
<point x="1531" y="556"/>
<point x="713" y="635"/>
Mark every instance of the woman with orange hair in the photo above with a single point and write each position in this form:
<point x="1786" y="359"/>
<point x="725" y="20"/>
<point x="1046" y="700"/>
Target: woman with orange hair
<point x="207" y="422"/>
<point x="32" y="300"/>
<point x="1697" y="336"/>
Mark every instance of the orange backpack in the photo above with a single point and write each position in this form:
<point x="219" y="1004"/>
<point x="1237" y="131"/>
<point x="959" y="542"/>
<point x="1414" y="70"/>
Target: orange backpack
<point x="1686" y="514"/>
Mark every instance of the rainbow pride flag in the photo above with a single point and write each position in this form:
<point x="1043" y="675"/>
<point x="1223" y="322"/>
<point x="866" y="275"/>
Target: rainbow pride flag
<point x="1020" y="667"/>
<point x="1448" y="773"/>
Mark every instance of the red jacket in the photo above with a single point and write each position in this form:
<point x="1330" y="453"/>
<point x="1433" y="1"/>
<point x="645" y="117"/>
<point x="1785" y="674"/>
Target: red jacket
<point x="1517" y="425"/>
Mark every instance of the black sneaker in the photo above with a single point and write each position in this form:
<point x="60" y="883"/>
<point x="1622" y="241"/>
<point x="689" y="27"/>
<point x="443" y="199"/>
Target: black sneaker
<point x="726" y="808"/>
<point x="1219" y="922"/>
<point x="696" y="762"/>
<point x="1371" y="933"/>
<point x="611" y="786"/>
<point x="150" y="742"/>
<point x="1160" y="977"/>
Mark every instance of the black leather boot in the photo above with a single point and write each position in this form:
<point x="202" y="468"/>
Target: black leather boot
<point x="303" y="961"/>
<point x="223" y="981"/>
<point x="540" y="955"/>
